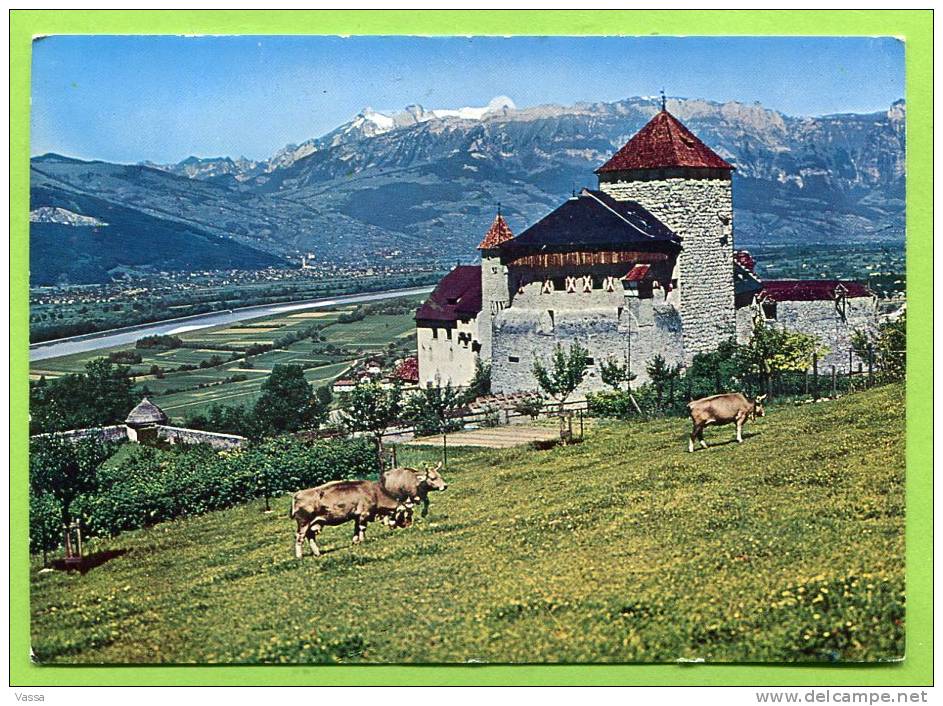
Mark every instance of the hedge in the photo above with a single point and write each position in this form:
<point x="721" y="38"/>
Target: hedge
<point x="147" y="485"/>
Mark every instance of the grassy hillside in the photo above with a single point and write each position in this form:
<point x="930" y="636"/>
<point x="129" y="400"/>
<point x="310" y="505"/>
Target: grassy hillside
<point x="623" y="548"/>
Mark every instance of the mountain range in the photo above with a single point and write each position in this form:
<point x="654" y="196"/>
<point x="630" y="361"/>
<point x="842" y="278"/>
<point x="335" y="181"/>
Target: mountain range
<point x="427" y="183"/>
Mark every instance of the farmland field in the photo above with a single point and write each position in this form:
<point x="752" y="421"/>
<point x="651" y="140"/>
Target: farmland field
<point x="236" y="380"/>
<point x="624" y="548"/>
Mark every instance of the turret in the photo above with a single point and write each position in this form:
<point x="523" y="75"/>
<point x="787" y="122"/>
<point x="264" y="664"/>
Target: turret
<point x="495" y="292"/>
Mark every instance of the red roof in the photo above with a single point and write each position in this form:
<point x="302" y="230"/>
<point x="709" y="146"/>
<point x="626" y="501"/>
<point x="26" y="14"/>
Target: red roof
<point x="664" y="142"/>
<point x="794" y="290"/>
<point x="745" y="259"/>
<point x="408" y="370"/>
<point x="637" y="273"/>
<point x="457" y="296"/>
<point x="498" y="233"/>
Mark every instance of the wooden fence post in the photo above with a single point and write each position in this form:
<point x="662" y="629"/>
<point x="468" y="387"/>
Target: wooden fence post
<point x="815" y="376"/>
<point x="834" y="383"/>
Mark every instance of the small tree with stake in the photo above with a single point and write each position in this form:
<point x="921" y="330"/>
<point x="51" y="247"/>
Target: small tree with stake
<point x="370" y="409"/>
<point x="661" y="374"/>
<point x="65" y="470"/>
<point x="431" y="409"/>
<point x="615" y="375"/>
<point x="565" y="373"/>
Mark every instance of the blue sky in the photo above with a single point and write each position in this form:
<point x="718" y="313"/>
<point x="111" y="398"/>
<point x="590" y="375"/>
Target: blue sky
<point x="128" y="99"/>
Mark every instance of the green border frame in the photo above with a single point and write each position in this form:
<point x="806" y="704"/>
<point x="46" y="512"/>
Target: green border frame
<point x="915" y="26"/>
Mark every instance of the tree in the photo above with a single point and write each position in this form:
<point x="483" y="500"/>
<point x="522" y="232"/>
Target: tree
<point x="661" y="374"/>
<point x="616" y="374"/>
<point x="99" y="396"/>
<point x="370" y="409"/>
<point x="287" y="403"/>
<point x="431" y="409"/>
<point x="480" y="384"/>
<point x="65" y="469"/>
<point x="774" y="349"/>
<point x="886" y="347"/>
<point x="566" y="372"/>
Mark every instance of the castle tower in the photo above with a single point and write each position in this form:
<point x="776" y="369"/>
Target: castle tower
<point x="495" y="294"/>
<point x="680" y="180"/>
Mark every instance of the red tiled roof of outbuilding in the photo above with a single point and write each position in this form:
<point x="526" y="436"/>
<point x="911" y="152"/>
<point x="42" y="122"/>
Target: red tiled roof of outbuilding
<point x="498" y="233"/>
<point x="795" y="290"/>
<point x="663" y="143"/>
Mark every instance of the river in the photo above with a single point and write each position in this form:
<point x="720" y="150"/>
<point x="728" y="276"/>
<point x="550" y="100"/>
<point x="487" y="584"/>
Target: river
<point x="130" y="334"/>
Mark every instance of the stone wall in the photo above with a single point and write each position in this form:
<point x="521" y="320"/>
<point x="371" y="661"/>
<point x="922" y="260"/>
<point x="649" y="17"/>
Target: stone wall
<point x="822" y="319"/>
<point x="523" y="335"/>
<point x="447" y="353"/>
<point x="118" y="432"/>
<point x="745" y="318"/>
<point x="178" y="435"/>
<point x="172" y="435"/>
<point x="700" y="211"/>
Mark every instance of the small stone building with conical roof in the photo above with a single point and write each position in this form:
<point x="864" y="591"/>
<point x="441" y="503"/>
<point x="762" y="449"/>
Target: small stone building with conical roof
<point x="144" y="419"/>
<point x="148" y="424"/>
<point x="644" y="265"/>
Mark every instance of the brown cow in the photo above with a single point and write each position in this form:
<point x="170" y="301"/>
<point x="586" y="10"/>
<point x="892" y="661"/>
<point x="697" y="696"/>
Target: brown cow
<point x="722" y="409"/>
<point x="338" y="502"/>
<point x="410" y="486"/>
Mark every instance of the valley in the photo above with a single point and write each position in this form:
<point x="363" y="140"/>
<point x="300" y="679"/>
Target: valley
<point x="422" y="186"/>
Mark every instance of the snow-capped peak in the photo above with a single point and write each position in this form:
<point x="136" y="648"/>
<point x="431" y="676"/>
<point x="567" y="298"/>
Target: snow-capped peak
<point x="372" y="122"/>
<point x="382" y="122"/>
<point x="496" y="105"/>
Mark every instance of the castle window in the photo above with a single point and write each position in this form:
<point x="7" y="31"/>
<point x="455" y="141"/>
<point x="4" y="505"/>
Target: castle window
<point x="769" y="310"/>
<point x="448" y="333"/>
<point x="435" y="332"/>
<point x="553" y="321"/>
<point x="513" y="359"/>
<point x="559" y="283"/>
<point x="590" y="361"/>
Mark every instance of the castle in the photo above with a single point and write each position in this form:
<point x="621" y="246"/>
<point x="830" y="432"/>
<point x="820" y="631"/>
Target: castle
<point x="643" y="265"/>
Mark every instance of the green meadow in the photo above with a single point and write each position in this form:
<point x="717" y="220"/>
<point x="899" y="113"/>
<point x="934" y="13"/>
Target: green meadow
<point x="622" y="548"/>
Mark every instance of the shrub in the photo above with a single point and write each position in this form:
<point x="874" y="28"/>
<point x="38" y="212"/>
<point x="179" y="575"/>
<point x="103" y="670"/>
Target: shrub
<point x="125" y="357"/>
<point x="357" y="314"/>
<point x="612" y="405"/>
<point x="158" y="341"/>
<point x="531" y="406"/>
<point x="45" y="522"/>
<point x="149" y="485"/>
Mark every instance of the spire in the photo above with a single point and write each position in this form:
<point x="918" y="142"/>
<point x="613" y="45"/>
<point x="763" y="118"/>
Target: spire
<point x="498" y="233"/>
<point x="663" y="109"/>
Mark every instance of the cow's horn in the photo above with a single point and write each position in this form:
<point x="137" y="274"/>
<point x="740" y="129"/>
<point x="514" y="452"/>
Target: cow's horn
<point x="761" y="398"/>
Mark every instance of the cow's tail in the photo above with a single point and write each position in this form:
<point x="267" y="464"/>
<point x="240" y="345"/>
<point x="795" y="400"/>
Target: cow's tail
<point x="292" y="508"/>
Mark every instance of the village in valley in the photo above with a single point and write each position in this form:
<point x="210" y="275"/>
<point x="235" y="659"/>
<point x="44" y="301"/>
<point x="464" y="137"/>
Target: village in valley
<point x="595" y="438"/>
